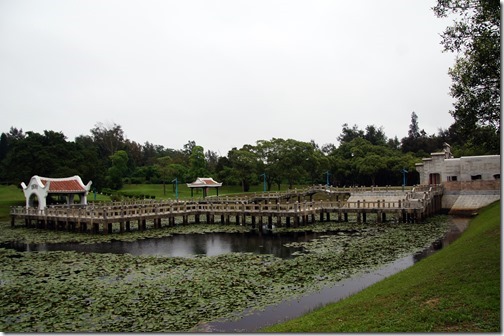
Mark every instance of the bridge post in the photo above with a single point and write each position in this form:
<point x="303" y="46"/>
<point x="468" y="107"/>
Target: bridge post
<point x="296" y="214"/>
<point x="105" y="224"/>
<point x="243" y="214"/>
<point x="157" y="219"/>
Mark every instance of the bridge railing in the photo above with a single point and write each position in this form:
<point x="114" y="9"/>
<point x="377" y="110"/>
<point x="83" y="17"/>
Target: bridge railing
<point x="154" y="209"/>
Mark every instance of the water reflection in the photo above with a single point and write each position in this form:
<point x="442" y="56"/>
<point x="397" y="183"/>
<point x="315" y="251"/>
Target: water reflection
<point x="457" y="226"/>
<point x="248" y="321"/>
<point x="292" y="308"/>
<point x="189" y="245"/>
<point x="212" y="244"/>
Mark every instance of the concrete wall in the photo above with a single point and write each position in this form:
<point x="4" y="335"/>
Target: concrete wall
<point x="470" y="182"/>
<point x="466" y="168"/>
<point x="486" y="166"/>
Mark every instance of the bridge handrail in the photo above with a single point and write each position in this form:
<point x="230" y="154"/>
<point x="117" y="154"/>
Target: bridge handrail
<point x="188" y="208"/>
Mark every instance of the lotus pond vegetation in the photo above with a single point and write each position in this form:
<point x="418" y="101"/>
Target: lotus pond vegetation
<point x="64" y="291"/>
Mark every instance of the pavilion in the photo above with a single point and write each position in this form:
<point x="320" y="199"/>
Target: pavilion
<point x="204" y="183"/>
<point x="40" y="187"/>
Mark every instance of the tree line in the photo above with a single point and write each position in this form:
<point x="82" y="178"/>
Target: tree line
<point x="105" y="156"/>
<point x="362" y="156"/>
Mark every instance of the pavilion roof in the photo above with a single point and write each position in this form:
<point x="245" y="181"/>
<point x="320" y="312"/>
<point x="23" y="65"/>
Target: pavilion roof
<point x="71" y="184"/>
<point x="202" y="182"/>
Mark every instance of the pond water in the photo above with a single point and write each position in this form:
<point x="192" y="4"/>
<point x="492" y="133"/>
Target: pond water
<point x="210" y="244"/>
<point x="190" y="245"/>
<point x="252" y="321"/>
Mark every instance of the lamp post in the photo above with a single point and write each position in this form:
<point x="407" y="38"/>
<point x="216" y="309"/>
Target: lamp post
<point x="176" y="188"/>
<point x="264" y="181"/>
<point x="404" y="171"/>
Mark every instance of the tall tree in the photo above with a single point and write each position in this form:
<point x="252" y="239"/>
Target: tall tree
<point x="163" y="167"/>
<point x="375" y="135"/>
<point x="109" y="139"/>
<point x="118" y="170"/>
<point x="212" y="158"/>
<point x="414" y="130"/>
<point x="244" y="163"/>
<point x="475" y="37"/>
<point x="348" y="134"/>
<point x="197" y="163"/>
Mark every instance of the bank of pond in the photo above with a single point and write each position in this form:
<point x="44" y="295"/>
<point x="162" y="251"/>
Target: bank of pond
<point x="200" y="277"/>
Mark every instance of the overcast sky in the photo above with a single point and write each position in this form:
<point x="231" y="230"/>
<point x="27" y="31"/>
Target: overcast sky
<point x="222" y="73"/>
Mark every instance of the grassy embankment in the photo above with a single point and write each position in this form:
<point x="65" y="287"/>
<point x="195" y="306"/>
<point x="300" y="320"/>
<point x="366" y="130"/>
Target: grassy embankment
<point x="454" y="290"/>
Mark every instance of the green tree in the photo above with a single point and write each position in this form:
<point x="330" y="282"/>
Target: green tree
<point x="370" y="165"/>
<point x="269" y="153"/>
<point x="348" y="134"/>
<point x="88" y="161"/>
<point x="163" y="167"/>
<point x="475" y="37"/>
<point x="414" y="129"/>
<point x="47" y="154"/>
<point x="108" y="139"/>
<point x="197" y="163"/>
<point x="118" y="169"/>
<point x="212" y="159"/>
<point x="244" y="164"/>
<point x="375" y="135"/>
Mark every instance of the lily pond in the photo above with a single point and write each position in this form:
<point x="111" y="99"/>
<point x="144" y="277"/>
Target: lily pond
<point x="185" y="277"/>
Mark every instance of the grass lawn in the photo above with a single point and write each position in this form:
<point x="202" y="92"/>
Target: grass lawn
<point x="454" y="290"/>
<point x="9" y="196"/>
<point x="168" y="191"/>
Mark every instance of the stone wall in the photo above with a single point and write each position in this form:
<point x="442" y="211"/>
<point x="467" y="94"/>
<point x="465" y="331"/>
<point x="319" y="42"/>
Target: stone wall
<point x="476" y="185"/>
<point x="469" y="182"/>
<point x="466" y="168"/>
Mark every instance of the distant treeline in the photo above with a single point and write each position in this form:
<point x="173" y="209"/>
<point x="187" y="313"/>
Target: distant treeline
<point x="362" y="157"/>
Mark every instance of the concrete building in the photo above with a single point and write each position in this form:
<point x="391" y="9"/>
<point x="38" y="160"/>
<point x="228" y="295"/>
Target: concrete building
<point x="469" y="182"/>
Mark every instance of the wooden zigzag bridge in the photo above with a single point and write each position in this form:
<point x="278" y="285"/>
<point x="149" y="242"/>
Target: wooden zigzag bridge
<point x="291" y="208"/>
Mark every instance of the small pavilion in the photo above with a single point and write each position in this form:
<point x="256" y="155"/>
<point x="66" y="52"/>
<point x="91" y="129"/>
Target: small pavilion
<point x="204" y="183"/>
<point x="40" y="187"/>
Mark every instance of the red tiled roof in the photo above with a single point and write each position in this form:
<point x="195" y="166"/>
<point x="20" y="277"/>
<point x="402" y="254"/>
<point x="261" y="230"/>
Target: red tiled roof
<point x="64" y="186"/>
<point x="208" y="181"/>
<point x="204" y="181"/>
